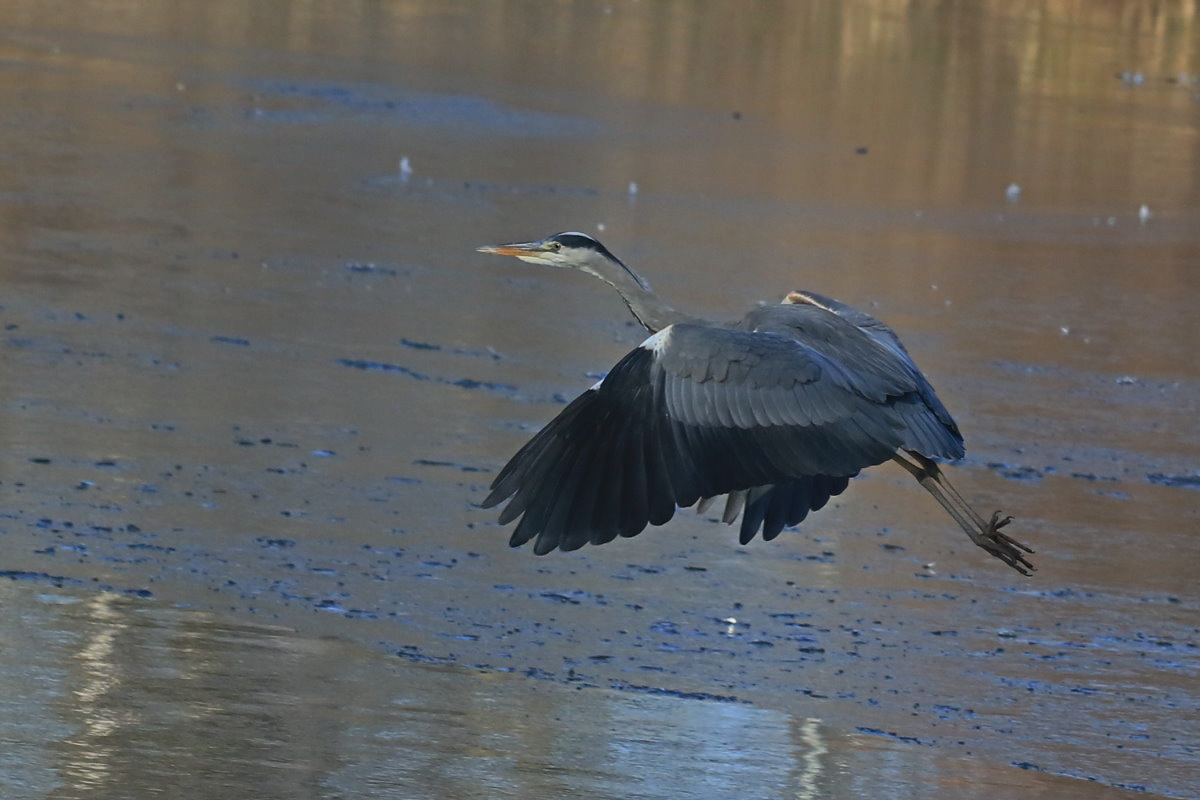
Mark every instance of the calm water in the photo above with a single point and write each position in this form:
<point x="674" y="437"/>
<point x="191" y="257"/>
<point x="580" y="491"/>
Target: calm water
<point x="256" y="380"/>
<point x="111" y="697"/>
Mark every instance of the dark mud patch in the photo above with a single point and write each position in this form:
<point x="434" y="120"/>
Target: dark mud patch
<point x="372" y="269"/>
<point x="892" y="735"/>
<point x="458" y="351"/>
<point x="479" y="193"/>
<point x="425" y="462"/>
<point x="1175" y="481"/>
<point x="1027" y="765"/>
<point x="39" y="577"/>
<point x="398" y="369"/>
<point x="1029" y="474"/>
<point x="61" y="581"/>
<point x="468" y="116"/>
<point x="660" y="691"/>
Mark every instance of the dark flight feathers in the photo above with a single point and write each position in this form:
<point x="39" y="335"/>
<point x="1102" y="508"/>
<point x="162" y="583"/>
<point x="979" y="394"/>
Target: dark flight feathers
<point x="784" y="407"/>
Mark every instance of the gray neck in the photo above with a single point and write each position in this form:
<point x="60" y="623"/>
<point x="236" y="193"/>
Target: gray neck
<point x="643" y="303"/>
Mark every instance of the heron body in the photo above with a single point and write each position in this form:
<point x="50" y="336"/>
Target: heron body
<point x="777" y="411"/>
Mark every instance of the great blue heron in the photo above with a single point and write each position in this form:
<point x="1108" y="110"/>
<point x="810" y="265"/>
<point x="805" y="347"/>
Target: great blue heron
<point x="778" y="411"/>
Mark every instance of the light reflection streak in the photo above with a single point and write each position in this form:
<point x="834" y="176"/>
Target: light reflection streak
<point x="813" y="767"/>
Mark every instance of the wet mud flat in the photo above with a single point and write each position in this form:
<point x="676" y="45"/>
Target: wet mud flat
<point x="256" y="382"/>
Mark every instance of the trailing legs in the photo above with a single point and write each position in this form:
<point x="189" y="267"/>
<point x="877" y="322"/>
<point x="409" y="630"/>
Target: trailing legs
<point x="984" y="534"/>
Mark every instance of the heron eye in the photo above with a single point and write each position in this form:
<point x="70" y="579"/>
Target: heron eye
<point x="556" y="246"/>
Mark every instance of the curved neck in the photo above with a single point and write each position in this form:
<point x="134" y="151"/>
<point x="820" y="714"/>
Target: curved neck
<point x="643" y="303"/>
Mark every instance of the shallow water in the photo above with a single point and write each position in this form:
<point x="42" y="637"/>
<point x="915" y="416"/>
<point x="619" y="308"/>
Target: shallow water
<point x="255" y="375"/>
<point x="112" y="697"/>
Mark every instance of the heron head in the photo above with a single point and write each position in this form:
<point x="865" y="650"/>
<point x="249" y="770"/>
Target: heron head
<point x="569" y="250"/>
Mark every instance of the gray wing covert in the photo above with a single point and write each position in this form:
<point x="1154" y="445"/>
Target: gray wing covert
<point x="775" y="402"/>
<point x="932" y="431"/>
<point x="695" y="411"/>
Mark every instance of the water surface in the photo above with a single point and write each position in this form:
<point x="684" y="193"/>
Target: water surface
<point x="113" y="697"/>
<point x="256" y="381"/>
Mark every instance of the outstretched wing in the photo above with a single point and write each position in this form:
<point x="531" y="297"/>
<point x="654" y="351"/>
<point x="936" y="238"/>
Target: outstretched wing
<point x="698" y="411"/>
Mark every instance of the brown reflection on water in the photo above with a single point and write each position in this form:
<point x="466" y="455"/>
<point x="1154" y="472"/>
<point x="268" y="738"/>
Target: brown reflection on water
<point x="948" y="96"/>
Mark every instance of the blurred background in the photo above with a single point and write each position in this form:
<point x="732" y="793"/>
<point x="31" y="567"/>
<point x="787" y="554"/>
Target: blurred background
<point x="254" y="381"/>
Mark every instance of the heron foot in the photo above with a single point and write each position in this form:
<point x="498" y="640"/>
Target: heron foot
<point x="1003" y="546"/>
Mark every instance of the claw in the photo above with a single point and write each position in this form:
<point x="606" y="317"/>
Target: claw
<point x="1003" y="546"/>
<point x="986" y="535"/>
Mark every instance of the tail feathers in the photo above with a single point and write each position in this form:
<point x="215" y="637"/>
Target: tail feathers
<point x="926" y="433"/>
<point x="772" y="508"/>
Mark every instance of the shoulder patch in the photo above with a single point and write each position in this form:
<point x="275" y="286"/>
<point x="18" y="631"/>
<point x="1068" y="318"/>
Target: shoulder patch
<point x="809" y="298"/>
<point x="657" y="343"/>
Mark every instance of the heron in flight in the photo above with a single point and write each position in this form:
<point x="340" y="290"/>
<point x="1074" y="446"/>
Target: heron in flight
<point x="777" y="412"/>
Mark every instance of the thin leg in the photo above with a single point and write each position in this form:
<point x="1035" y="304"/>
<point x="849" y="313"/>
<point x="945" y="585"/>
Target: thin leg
<point x="984" y="534"/>
<point x="931" y="467"/>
